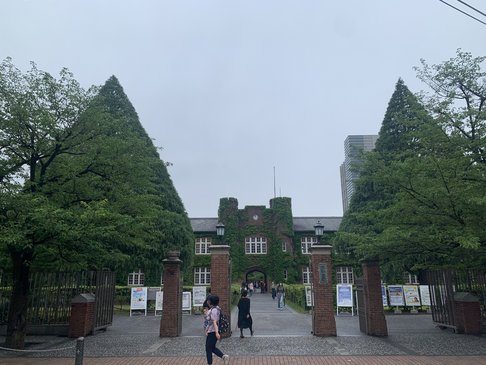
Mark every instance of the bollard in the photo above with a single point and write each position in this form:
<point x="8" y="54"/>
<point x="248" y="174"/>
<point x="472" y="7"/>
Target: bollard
<point x="79" y="351"/>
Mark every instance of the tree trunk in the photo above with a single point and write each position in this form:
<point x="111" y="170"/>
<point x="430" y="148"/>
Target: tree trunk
<point x="17" y="314"/>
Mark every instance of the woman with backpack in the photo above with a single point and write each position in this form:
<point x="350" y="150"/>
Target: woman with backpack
<point x="212" y="331"/>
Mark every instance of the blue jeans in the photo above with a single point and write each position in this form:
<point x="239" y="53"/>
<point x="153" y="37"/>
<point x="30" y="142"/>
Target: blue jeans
<point x="211" y="348"/>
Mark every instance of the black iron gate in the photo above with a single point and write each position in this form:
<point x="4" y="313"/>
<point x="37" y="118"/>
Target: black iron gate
<point x="363" y="324"/>
<point x="443" y="284"/>
<point x="104" y="299"/>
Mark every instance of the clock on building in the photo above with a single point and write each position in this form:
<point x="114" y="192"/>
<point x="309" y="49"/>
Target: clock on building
<point x="255" y="217"/>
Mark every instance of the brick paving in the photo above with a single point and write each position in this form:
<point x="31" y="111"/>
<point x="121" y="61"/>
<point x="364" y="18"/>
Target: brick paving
<point x="282" y="338"/>
<point x="264" y="360"/>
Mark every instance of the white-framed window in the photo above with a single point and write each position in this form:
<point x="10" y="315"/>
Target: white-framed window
<point x="284" y="246"/>
<point x="410" y="278"/>
<point x="306" y="243"/>
<point x="202" y="245"/>
<point x="286" y="274"/>
<point x="306" y="275"/>
<point x="202" y="276"/>
<point x="256" y="246"/>
<point x="136" y="278"/>
<point x="344" y="275"/>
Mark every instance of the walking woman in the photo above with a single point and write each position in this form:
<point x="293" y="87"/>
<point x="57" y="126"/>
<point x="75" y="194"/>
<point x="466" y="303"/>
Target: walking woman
<point x="244" y="316"/>
<point x="212" y="331"/>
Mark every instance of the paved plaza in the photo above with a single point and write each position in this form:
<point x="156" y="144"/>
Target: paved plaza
<point x="282" y="337"/>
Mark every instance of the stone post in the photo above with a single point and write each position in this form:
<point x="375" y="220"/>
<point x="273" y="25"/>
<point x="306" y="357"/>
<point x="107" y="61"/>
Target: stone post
<point x="81" y="322"/>
<point x="373" y="301"/>
<point x="221" y="278"/>
<point x="171" y="321"/>
<point x="323" y="321"/>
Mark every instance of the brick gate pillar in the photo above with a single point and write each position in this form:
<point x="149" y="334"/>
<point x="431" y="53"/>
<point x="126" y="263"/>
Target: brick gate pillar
<point x="171" y="321"/>
<point x="373" y="300"/>
<point x="323" y="321"/>
<point x="221" y="278"/>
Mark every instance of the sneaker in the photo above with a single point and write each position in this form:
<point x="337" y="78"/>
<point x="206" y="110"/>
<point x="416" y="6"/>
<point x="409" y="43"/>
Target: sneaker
<point x="226" y="359"/>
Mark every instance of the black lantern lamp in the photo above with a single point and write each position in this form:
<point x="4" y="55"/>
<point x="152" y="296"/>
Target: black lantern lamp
<point x="319" y="230"/>
<point x="220" y="231"/>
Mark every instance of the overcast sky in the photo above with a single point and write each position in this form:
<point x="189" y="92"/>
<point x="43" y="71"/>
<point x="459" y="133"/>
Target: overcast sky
<point x="231" y="89"/>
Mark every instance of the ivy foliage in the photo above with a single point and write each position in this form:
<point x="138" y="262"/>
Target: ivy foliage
<point x="276" y="226"/>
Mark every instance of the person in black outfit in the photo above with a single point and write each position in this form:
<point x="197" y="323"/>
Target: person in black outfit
<point x="244" y="316"/>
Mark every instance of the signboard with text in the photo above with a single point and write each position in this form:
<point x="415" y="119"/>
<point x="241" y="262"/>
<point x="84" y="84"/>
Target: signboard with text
<point x="395" y="292"/>
<point x="411" y="294"/>
<point x="384" y="298"/>
<point x="425" y="294"/>
<point x="198" y="296"/>
<point x="309" y="296"/>
<point x="138" y="299"/>
<point x="344" y="297"/>
<point x="186" y="301"/>
<point x="159" y="301"/>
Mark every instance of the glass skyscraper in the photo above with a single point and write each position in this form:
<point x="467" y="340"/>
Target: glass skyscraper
<point x="353" y="147"/>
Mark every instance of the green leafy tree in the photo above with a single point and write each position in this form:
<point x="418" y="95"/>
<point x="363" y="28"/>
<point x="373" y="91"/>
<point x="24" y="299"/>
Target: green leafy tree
<point x="435" y="211"/>
<point x="37" y="113"/>
<point x="81" y="184"/>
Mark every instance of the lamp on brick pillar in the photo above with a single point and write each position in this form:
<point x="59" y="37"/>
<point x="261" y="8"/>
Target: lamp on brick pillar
<point x="220" y="232"/>
<point x="171" y="321"/>
<point x="221" y="273"/>
<point x="323" y="321"/>
<point x="319" y="231"/>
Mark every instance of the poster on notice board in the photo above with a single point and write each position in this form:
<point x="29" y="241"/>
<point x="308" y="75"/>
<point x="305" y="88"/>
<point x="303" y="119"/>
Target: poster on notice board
<point x="344" y="295"/>
<point x="425" y="295"/>
<point x="395" y="292"/>
<point x="411" y="293"/>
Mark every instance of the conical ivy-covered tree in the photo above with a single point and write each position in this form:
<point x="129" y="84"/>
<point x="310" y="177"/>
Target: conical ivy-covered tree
<point x="118" y="166"/>
<point x="119" y="106"/>
<point x="363" y="225"/>
<point x="403" y="118"/>
<point x="171" y="224"/>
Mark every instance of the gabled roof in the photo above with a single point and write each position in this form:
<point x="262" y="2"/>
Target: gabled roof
<point x="301" y="224"/>
<point x="304" y="224"/>
<point x="203" y="224"/>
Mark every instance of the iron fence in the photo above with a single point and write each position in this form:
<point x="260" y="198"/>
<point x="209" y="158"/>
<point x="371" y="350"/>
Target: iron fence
<point x="443" y="284"/>
<point x="50" y="296"/>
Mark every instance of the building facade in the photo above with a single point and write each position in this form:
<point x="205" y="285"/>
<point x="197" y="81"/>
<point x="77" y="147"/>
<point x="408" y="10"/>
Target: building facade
<point x="268" y="241"/>
<point x="354" y="146"/>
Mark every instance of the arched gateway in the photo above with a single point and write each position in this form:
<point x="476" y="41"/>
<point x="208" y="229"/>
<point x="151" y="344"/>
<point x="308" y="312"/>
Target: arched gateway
<point x="256" y="273"/>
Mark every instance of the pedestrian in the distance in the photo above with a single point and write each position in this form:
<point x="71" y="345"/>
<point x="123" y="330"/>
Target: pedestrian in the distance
<point x="212" y="331"/>
<point x="274" y="291"/>
<point x="244" y="316"/>
<point x="250" y="288"/>
<point x="280" y="296"/>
